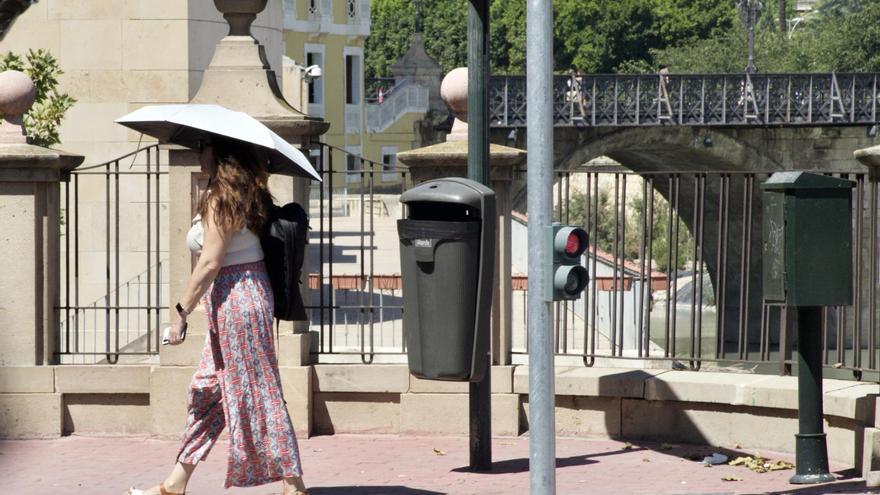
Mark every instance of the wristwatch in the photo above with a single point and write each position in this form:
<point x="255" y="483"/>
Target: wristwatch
<point x="182" y="312"/>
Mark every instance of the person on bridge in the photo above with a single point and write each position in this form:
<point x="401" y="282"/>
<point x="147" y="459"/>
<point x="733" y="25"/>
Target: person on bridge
<point x="576" y="93"/>
<point x="237" y="384"/>
<point x="663" y="97"/>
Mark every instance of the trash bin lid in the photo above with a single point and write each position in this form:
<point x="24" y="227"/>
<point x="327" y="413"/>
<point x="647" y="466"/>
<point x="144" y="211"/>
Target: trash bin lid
<point x="804" y="180"/>
<point x="449" y="190"/>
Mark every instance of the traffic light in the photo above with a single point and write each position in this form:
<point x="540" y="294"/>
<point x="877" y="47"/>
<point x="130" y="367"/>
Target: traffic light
<point x="566" y="277"/>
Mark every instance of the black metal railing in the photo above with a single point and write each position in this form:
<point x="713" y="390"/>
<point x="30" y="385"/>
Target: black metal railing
<point x="675" y="266"/>
<point x="112" y="273"/>
<point x="676" y="275"/>
<point x="356" y="302"/>
<point x="694" y="100"/>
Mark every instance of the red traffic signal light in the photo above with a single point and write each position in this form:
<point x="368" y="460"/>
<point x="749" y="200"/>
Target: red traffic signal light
<point x="566" y="277"/>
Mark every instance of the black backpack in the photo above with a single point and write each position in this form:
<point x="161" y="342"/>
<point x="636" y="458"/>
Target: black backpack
<point x="284" y="241"/>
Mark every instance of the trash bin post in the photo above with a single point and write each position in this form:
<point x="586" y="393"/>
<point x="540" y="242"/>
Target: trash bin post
<point x="807" y="246"/>
<point x="447" y="249"/>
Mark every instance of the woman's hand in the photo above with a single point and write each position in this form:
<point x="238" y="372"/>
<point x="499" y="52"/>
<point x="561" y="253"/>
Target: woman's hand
<point x="176" y="331"/>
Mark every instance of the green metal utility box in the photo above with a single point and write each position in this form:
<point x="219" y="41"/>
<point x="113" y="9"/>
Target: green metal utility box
<point x="807" y="239"/>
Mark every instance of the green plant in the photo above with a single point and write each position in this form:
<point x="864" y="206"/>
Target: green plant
<point x="42" y="121"/>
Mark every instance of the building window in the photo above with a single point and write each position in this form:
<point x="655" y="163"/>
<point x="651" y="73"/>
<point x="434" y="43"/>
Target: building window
<point x="316" y="86"/>
<point x="313" y="7"/>
<point x="353" y="79"/>
<point x="353" y="165"/>
<point x="352" y="9"/>
<point x="389" y="163"/>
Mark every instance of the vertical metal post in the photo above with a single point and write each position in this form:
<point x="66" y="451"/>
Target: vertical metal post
<point x="750" y="67"/>
<point x="478" y="169"/>
<point x="811" y="450"/>
<point x="542" y="431"/>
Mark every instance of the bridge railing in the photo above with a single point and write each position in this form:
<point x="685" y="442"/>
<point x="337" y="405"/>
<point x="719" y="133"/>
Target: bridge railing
<point x="694" y="99"/>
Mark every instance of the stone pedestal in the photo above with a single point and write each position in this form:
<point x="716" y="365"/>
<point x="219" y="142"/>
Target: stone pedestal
<point x="870" y="157"/>
<point x="30" y="243"/>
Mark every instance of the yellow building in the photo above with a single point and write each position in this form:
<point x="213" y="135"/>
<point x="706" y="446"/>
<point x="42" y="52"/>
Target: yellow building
<point x="330" y="34"/>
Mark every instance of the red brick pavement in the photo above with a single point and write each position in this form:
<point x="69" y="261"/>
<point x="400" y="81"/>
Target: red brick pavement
<point x="395" y="465"/>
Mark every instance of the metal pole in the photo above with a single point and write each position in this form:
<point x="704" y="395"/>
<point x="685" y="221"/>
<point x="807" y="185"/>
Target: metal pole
<point x="811" y="450"/>
<point x="750" y="68"/>
<point x="479" y="395"/>
<point x="539" y="85"/>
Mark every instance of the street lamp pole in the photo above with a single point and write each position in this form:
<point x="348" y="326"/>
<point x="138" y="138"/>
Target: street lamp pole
<point x="750" y="68"/>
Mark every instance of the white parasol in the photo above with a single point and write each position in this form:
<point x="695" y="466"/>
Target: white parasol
<point x="188" y="124"/>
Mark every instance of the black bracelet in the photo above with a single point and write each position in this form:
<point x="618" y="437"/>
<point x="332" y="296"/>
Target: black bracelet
<point x="182" y="312"/>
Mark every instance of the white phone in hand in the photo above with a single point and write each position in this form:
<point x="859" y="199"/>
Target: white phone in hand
<point x="167" y="333"/>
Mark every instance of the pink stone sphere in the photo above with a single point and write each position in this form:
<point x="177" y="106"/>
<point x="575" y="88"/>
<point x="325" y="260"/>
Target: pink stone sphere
<point x="17" y="93"/>
<point x="454" y="91"/>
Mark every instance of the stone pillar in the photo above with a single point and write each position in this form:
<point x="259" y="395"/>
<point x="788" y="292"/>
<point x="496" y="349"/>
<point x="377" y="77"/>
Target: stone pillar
<point x="449" y="159"/>
<point x="239" y="77"/>
<point x="30" y="241"/>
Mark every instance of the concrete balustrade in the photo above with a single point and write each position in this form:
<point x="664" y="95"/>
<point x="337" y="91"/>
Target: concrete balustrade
<point x="714" y="408"/>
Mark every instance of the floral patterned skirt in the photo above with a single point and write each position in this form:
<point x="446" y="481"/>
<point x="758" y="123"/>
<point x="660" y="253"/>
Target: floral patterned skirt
<point x="237" y="384"/>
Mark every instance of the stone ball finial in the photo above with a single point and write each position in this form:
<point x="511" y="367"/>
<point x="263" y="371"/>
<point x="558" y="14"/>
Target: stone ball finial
<point x="240" y="14"/>
<point x="454" y="91"/>
<point x="17" y="93"/>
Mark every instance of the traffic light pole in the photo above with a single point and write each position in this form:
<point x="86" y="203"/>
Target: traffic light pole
<point x="479" y="396"/>
<point x="539" y="94"/>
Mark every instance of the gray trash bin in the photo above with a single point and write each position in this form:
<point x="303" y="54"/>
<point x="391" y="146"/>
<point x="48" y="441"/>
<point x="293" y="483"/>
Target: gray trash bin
<point x="447" y="245"/>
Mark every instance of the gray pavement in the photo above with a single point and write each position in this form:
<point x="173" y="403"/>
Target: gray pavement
<point x="397" y="465"/>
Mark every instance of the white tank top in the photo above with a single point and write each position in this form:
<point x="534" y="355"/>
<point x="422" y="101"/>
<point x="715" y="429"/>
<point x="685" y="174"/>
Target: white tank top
<point x="244" y="247"/>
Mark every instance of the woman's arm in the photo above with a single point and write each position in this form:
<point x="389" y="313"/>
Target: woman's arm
<point x="214" y="244"/>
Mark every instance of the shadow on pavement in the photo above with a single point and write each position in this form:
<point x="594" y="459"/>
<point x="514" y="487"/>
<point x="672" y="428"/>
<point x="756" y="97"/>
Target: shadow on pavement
<point x="369" y="490"/>
<point x="848" y="481"/>
<point x="521" y="465"/>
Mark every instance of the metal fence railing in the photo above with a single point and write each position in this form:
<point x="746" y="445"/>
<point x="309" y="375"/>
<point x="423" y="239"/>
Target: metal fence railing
<point x="674" y="260"/>
<point x="356" y="300"/>
<point x="694" y="99"/>
<point x="112" y="298"/>
<point x="675" y="266"/>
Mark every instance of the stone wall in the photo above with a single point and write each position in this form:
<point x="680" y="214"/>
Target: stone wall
<point x="720" y="409"/>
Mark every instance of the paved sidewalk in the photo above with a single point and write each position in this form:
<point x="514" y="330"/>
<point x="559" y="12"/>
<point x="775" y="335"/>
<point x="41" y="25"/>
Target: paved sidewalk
<point x="389" y="464"/>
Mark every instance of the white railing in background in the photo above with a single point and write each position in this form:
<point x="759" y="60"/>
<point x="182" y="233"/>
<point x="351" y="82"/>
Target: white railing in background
<point x="405" y="98"/>
<point x="352" y="119"/>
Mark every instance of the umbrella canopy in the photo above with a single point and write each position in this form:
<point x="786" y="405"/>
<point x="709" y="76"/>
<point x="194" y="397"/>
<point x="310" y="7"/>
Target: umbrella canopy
<point x="188" y="124"/>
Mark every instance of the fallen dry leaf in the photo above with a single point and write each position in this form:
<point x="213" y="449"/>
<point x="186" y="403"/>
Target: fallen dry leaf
<point x="759" y="464"/>
<point x="730" y="478"/>
<point x="627" y="446"/>
<point x="439" y="452"/>
<point x="780" y="465"/>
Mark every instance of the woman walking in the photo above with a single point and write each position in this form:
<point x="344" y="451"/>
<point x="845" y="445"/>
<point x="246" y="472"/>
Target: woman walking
<point x="237" y="384"/>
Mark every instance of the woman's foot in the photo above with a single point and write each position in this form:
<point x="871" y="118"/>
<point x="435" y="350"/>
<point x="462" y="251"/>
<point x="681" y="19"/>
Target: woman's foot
<point x="294" y="486"/>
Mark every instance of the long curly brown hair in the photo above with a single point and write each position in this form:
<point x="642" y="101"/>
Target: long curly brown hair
<point x="239" y="189"/>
